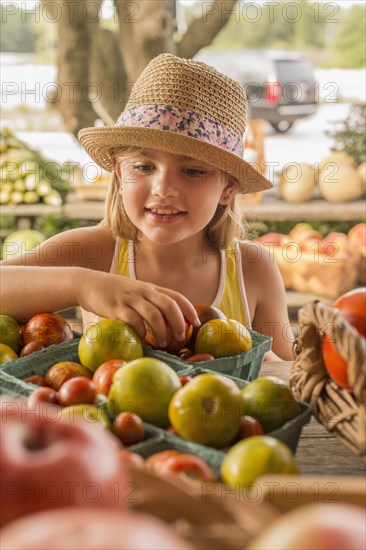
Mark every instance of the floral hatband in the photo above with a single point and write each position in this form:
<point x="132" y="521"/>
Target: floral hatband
<point x="188" y="123"/>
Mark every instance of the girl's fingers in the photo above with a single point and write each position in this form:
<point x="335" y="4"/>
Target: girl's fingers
<point x="186" y="307"/>
<point x="154" y="317"/>
<point x="132" y="317"/>
<point x="175" y="309"/>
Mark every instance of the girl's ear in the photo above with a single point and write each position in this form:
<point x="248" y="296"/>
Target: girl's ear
<point x="227" y="194"/>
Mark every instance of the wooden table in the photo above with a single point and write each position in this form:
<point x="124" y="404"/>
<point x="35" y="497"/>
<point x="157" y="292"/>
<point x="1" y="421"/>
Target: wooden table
<point x="319" y="452"/>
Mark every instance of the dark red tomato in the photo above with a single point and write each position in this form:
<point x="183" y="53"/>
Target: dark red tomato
<point x="199" y="357"/>
<point x="173" y="345"/>
<point x="62" y="371"/>
<point x="352" y="307"/>
<point x="249" y="427"/>
<point x="47" y="329"/>
<point x="77" y="391"/>
<point x="21" y="335"/>
<point x="129" y="428"/>
<point x="35" y="379"/>
<point x="31" y="347"/>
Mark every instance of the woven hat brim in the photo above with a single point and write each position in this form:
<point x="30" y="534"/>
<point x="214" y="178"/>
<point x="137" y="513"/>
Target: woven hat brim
<point x="98" y="143"/>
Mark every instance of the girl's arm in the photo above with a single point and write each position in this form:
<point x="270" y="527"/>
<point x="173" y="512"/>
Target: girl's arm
<point x="26" y="291"/>
<point x="71" y="269"/>
<point x="267" y="296"/>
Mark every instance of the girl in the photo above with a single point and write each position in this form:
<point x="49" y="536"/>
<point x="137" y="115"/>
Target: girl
<point x="169" y="238"/>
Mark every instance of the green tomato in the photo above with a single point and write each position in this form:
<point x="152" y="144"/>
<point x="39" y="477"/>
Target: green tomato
<point x="6" y="354"/>
<point x="9" y="332"/>
<point x="144" y="386"/>
<point x="270" y="401"/>
<point x="89" y="413"/>
<point x="255" y="457"/>
<point x="207" y="410"/>
<point x="108" y="339"/>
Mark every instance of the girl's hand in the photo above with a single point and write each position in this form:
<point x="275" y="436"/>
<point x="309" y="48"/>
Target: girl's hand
<point x="137" y="303"/>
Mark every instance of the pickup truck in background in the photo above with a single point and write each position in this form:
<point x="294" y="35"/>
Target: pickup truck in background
<point x="280" y="85"/>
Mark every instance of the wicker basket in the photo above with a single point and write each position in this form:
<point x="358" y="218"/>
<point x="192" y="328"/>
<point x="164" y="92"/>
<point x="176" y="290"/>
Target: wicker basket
<point x="340" y="411"/>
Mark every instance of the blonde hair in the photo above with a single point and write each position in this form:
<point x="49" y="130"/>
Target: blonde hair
<point x="225" y="225"/>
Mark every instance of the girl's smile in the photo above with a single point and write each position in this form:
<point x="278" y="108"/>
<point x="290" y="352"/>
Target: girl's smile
<point x="162" y="213"/>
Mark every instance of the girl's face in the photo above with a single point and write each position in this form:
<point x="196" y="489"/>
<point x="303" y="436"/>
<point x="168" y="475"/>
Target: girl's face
<point x="170" y="197"/>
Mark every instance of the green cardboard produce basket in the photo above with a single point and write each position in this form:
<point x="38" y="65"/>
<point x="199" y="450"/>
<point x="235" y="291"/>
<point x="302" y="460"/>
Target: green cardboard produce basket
<point x="40" y="361"/>
<point x="9" y="385"/>
<point x="245" y="365"/>
<point x="157" y="439"/>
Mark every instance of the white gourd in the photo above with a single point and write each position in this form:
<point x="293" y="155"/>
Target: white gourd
<point x="340" y="183"/>
<point x="297" y="183"/>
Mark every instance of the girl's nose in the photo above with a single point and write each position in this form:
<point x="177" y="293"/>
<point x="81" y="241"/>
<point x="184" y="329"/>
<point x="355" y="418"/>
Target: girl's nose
<point x="164" y="183"/>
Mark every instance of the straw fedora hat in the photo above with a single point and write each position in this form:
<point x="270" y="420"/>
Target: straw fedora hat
<point x="184" y="107"/>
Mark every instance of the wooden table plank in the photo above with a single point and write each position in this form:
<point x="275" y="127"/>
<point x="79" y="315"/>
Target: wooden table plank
<point x="319" y="452"/>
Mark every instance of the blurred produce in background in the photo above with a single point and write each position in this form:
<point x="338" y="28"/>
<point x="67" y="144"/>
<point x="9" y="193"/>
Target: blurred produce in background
<point x="27" y="177"/>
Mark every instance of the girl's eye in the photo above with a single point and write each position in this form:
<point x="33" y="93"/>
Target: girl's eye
<point x="143" y="167"/>
<point x="194" y="172"/>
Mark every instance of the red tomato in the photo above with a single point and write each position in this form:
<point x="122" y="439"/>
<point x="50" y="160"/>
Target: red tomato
<point x="30" y="348"/>
<point x="184" y="379"/>
<point x="77" y="391"/>
<point x="154" y="460"/>
<point x="352" y="307"/>
<point x="187" y="465"/>
<point x="103" y="376"/>
<point x="129" y="428"/>
<point x="42" y="395"/>
<point x="47" y="329"/>
<point x="249" y="426"/>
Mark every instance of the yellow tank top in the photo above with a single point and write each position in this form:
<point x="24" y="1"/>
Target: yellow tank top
<point x="230" y="298"/>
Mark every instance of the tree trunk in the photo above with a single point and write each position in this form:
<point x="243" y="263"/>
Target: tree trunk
<point x="202" y="30"/>
<point x="73" y="67"/>
<point x="145" y="31"/>
<point x="108" y="73"/>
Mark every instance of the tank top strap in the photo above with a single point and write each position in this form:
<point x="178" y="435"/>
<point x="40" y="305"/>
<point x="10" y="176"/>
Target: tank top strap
<point x="233" y="301"/>
<point x="240" y="275"/>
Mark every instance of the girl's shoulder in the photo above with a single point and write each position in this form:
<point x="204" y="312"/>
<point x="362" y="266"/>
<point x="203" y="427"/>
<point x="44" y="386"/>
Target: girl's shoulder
<point x="257" y="262"/>
<point x="253" y="252"/>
